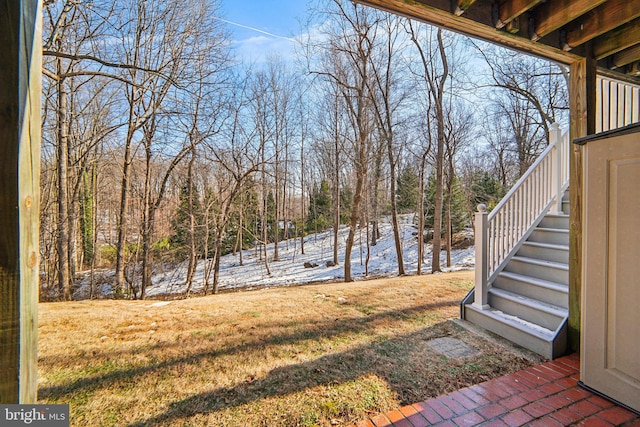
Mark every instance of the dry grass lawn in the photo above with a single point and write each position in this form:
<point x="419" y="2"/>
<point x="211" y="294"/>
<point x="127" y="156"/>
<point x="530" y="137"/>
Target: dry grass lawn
<point x="311" y="355"/>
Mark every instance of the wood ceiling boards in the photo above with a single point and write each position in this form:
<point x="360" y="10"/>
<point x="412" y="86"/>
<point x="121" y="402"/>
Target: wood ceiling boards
<point x="560" y="30"/>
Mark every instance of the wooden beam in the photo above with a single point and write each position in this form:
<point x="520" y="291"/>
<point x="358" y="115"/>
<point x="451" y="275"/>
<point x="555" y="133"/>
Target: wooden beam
<point x="634" y="69"/>
<point x="20" y="97"/>
<point x="511" y="9"/>
<point x="463" y="5"/>
<point x="582" y="91"/>
<point x="600" y="20"/>
<point x="557" y="13"/>
<point x="616" y="40"/>
<point x="441" y="18"/>
<point x="618" y="75"/>
<point x="627" y="56"/>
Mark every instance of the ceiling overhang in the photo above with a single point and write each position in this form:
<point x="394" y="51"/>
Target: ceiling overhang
<point x="560" y="30"/>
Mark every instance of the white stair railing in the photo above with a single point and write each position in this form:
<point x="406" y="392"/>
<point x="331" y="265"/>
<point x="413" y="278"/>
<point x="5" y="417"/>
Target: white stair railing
<point x="536" y="193"/>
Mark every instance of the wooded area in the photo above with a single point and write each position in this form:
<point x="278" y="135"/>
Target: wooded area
<point x="161" y="146"/>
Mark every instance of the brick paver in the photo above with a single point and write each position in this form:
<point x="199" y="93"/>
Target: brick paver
<point x="543" y="395"/>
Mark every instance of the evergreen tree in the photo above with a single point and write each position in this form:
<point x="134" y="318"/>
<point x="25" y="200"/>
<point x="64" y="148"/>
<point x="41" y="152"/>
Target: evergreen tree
<point x="180" y="222"/>
<point x="320" y="207"/>
<point x="408" y="189"/>
<point x="486" y="189"/>
<point x="459" y="215"/>
<point x="87" y="216"/>
<point x="272" y="221"/>
<point x="346" y="201"/>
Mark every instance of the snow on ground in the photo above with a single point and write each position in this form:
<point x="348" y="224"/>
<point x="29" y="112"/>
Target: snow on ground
<point x="290" y="269"/>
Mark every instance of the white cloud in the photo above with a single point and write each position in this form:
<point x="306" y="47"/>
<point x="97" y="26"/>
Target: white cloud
<point x="258" y="48"/>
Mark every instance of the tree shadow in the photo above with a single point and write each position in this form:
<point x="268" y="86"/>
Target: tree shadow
<point x="327" y="329"/>
<point x="391" y="360"/>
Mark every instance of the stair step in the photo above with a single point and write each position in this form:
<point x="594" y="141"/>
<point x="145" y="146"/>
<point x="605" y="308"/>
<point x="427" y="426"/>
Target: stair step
<point x="558" y="221"/>
<point x="540" y="269"/>
<point x="526" y="334"/>
<point x="545" y="251"/>
<point x="532" y="310"/>
<point x="550" y="235"/>
<point x="542" y="290"/>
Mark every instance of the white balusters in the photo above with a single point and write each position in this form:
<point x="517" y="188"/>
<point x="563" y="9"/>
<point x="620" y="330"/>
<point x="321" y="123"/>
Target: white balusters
<point x="537" y="192"/>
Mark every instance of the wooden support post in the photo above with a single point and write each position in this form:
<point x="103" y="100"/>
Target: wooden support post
<point x="582" y="93"/>
<point x="20" y="98"/>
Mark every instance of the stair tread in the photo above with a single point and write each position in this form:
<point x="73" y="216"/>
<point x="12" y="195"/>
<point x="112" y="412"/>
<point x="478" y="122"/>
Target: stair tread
<point x="553" y="230"/>
<point x="540" y="262"/>
<point x="535" y="281"/>
<point x="547" y="245"/>
<point x="557" y="215"/>
<point x="522" y="325"/>
<point x="531" y="302"/>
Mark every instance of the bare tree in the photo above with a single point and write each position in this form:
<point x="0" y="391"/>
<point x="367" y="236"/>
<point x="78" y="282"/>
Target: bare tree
<point x="347" y="60"/>
<point x="459" y="127"/>
<point x="237" y="158"/>
<point x="434" y="73"/>
<point x="388" y="96"/>
<point x="68" y="31"/>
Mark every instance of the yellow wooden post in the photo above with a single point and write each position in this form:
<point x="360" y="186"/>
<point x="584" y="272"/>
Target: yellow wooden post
<point x="20" y="95"/>
<point x="582" y="95"/>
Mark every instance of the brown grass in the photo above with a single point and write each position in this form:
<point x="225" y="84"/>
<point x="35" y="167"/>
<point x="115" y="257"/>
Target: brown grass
<point x="309" y="355"/>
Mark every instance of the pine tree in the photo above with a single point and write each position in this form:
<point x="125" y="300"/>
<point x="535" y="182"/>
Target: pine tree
<point x="486" y="190"/>
<point x="408" y="190"/>
<point x="320" y="207"/>
<point x="459" y="215"/>
<point x="180" y="222"/>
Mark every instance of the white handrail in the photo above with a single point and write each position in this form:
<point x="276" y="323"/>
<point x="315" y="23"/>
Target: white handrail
<point x="537" y="192"/>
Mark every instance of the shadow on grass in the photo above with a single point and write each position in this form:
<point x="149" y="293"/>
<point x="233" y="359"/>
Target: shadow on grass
<point x="393" y="360"/>
<point x="320" y="330"/>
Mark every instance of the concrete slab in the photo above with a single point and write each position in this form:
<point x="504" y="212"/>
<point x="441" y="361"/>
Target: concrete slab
<point x="452" y="348"/>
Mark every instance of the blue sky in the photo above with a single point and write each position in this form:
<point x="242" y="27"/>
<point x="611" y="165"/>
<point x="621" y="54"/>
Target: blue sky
<point x="260" y="27"/>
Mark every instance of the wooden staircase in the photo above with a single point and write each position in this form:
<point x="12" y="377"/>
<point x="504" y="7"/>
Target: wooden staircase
<point x="528" y="300"/>
<point x="522" y="256"/>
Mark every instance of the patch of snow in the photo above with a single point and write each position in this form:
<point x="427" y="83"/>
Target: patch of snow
<point x="540" y="329"/>
<point x="159" y="304"/>
<point x="289" y="269"/>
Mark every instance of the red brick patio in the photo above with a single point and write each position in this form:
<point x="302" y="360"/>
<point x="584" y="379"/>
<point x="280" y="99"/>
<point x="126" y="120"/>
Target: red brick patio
<point x="543" y="395"/>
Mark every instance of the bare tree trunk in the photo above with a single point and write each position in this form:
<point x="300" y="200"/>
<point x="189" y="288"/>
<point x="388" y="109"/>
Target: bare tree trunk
<point x="276" y="206"/>
<point x="435" y="81"/>
<point x="191" y="266"/>
<point x="94" y="226"/>
<point x="241" y="229"/>
<point x="447" y="221"/>
<point x="421" y="213"/>
<point x="394" y="208"/>
<point x="377" y="176"/>
<point x="285" y="198"/>
<point x="336" y="198"/>
<point x="367" y="221"/>
<point x="361" y="173"/>
<point x="216" y="262"/>
<point x="265" y="234"/>
<point x="64" y="276"/>
<point x="302" y="199"/>
<point x="439" y="97"/>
